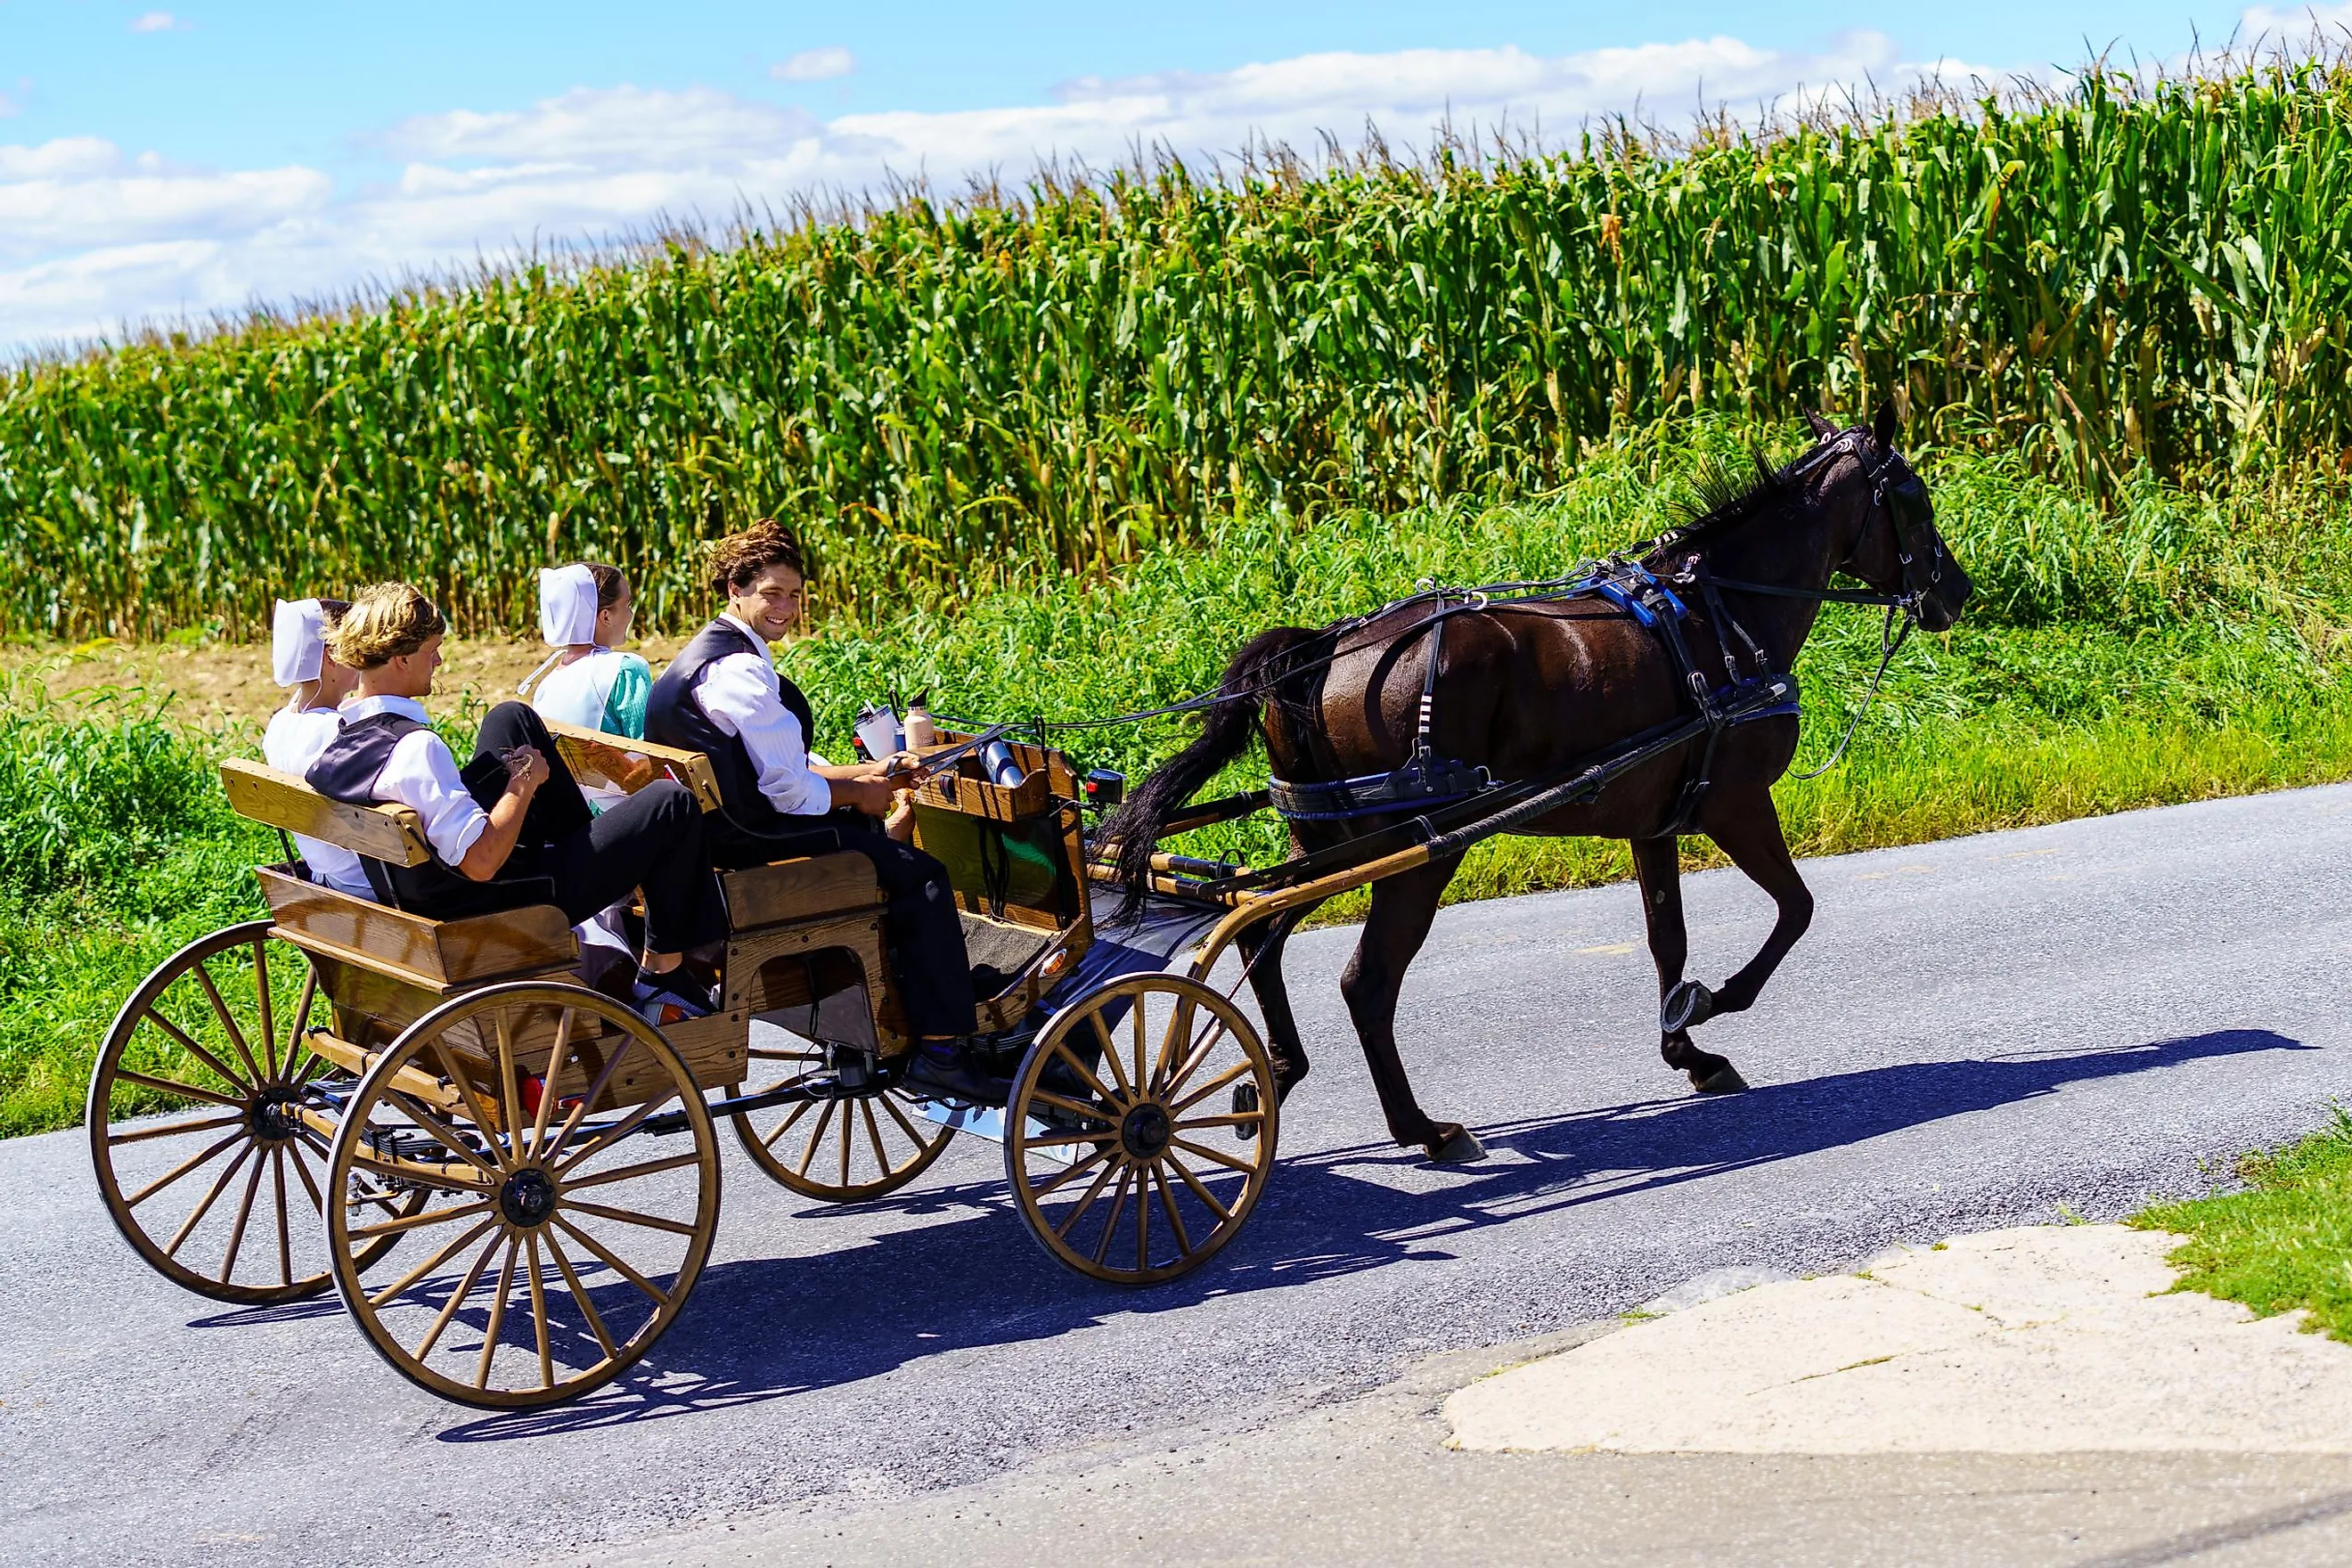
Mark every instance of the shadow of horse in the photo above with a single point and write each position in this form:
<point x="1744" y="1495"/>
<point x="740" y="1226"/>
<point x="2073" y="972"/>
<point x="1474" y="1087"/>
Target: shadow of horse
<point x="763" y="1328"/>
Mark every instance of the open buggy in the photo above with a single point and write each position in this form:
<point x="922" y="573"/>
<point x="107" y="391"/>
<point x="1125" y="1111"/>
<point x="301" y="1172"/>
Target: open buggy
<point x="513" y="1179"/>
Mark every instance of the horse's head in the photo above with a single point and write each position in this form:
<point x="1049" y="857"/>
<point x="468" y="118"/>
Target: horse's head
<point x="1891" y="544"/>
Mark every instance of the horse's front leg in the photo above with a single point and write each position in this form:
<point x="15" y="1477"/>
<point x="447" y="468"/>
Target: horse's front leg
<point x="1403" y="906"/>
<point x="1657" y="863"/>
<point x="1750" y="832"/>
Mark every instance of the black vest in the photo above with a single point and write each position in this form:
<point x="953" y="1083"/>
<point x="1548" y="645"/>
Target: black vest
<point x="349" y="771"/>
<point x="673" y="718"/>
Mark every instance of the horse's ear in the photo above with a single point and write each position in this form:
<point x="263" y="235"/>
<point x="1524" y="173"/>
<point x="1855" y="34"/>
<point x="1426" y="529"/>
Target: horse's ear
<point x="1883" y="425"/>
<point x="1823" y="428"/>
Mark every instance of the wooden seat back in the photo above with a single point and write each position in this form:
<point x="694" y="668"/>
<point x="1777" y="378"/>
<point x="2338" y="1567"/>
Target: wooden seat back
<point x="597" y="758"/>
<point x="263" y="794"/>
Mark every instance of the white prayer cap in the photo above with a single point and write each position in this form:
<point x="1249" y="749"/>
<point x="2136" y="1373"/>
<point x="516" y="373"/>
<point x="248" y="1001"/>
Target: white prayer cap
<point x="294" y="646"/>
<point x="567" y="605"/>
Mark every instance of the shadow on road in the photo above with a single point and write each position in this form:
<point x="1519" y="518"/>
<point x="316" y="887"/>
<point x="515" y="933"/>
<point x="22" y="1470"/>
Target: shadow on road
<point x="760" y="1329"/>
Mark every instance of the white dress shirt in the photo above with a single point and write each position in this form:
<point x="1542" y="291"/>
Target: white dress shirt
<point x="422" y="774"/>
<point x="291" y="744"/>
<point x="739" y="694"/>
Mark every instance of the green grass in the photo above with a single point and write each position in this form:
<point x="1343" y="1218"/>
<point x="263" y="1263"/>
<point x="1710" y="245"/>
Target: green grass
<point x="2282" y="1243"/>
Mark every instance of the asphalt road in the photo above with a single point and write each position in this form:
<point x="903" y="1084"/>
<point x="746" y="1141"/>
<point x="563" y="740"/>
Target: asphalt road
<point x="1974" y="1034"/>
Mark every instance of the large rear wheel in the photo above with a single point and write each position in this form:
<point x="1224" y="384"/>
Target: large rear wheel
<point x="204" y="1111"/>
<point x="1129" y="1152"/>
<point x="561" y="1235"/>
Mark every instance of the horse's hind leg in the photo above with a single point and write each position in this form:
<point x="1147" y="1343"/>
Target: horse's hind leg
<point x="1657" y="862"/>
<point x="1261" y="949"/>
<point x="1403" y="906"/>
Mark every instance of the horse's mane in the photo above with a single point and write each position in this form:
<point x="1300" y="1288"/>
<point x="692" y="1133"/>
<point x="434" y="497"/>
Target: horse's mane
<point x="1726" y="493"/>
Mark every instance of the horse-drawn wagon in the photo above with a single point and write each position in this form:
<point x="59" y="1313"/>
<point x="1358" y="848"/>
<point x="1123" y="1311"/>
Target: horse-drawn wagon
<point x="513" y="1179"/>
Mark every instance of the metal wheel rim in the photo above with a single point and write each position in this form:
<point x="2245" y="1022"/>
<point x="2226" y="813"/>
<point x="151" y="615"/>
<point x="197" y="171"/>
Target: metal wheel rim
<point x="833" y="1134"/>
<point x="1197" y="1102"/>
<point x="260" y="1188"/>
<point x="533" y="1268"/>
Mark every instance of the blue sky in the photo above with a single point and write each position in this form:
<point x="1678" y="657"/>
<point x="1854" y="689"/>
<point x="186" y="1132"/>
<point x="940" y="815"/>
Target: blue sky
<point x="158" y="163"/>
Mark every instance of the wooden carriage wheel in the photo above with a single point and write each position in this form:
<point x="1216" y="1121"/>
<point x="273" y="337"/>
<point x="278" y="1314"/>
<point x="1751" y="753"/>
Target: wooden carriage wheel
<point x="224" y="1191"/>
<point x="844" y="1149"/>
<point x="562" y="1235"/>
<point x="1128" y="1153"/>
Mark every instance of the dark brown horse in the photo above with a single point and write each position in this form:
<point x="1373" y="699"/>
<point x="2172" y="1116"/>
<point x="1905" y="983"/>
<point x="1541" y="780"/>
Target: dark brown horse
<point x="1527" y="687"/>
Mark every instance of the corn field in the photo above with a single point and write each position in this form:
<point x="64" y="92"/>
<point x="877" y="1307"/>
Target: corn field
<point x="2125" y="277"/>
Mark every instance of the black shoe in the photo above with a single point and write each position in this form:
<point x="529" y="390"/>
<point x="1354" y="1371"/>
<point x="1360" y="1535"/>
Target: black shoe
<point x="672" y="997"/>
<point x="950" y="1074"/>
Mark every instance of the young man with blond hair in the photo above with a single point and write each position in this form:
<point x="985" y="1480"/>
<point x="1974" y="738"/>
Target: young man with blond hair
<point x="511" y="828"/>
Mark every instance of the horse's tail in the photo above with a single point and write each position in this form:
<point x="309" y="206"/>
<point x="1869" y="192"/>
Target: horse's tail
<point x="1136" y="826"/>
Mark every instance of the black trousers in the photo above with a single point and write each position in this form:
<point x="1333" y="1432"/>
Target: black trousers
<point x="925" y="933"/>
<point x="652" y="840"/>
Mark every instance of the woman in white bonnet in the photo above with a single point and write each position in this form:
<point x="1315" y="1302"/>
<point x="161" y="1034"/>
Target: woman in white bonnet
<point x="316" y="686"/>
<point x="584" y="610"/>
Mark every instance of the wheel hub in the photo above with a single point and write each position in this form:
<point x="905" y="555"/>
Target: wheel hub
<point x="527" y="1197"/>
<point x="1145" y="1132"/>
<point x="272" y="1116"/>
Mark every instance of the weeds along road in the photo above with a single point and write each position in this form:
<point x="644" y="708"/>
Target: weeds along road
<point x="1974" y="1034"/>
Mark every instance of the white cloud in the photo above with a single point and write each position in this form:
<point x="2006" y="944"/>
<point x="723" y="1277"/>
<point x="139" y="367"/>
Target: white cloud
<point x="2293" y="24"/>
<point x="90" y="236"/>
<point x="157" y="22"/>
<point x="816" y="65"/>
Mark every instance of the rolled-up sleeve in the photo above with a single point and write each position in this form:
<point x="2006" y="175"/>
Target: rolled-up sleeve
<point x="737" y="693"/>
<point x="422" y="775"/>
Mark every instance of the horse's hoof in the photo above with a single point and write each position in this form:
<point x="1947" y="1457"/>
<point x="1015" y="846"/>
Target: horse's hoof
<point x="1459" y="1147"/>
<point x="1686" y="1007"/>
<point x="1725" y="1079"/>
<point x="1245" y="1099"/>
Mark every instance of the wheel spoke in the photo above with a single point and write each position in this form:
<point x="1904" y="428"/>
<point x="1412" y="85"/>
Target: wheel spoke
<point x="1179" y="1027"/>
<point x="1090" y="1113"/>
<point x="172" y="1086"/>
<point x="1242" y="1068"/>
<point x="1062" y="1231"/>
<point x="1110" y="1059"/>
<point x="465" y="1288"/>
<point x="171" y="1130"/>
<point x="848" y="1141"/>
<point x="310" y="1185"/>
<point x="555" y="1060"/>
<point x="539" y="1310"/>
<point x="182" y="1168"/>
<point x="510" y="1092"/>
<point x="1118" y="1207"/>
<point x="498" y="1313"/>
<point x="235" y="1036"/>
<point x="1199" y="1192"/>
<point x="631" y="1216"/>
<point x="816" y="1139"/>
<point x="1137" y="1083"/>
<point x="181" y="1038"/>
<point x="285" y="1232"/>
<point x="1199" y="1054"/>
<point x="1059" y="1138"/>
<point x="1235" y="1118"/>
<point x="1175" y="1218"/>
<point x="244" y="1213"/>
<point x="580" y="1294"/>
<point x="440" y="1132"/>
<point x="301" y="1029"/>
<point x="1080" y="1168"/>
<point x="595" y="1092"/>
<point x="415" y="1175"/>
<point x="261" y="1000"/>
<point x="1217" y="1156"/>
<point x="474" y="1107"/>
<point x="419" y="1220"/>
<point x="890" y="1104"/>
<point x="612" y="1261"/>
<point x="787" y="1124"/>
<point x="382" y="1298"/>
<point x="188" y="1226"/>
<point x="1142" y="1210"/>
<point x="622" y="1173"/>
<point x="873" y="1135"/>
<point x="614" y="1134"/>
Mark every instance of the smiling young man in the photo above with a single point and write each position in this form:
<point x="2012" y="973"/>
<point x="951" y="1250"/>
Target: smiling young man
<point x="722" y="696"/>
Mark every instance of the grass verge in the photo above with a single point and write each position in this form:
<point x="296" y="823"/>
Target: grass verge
<point x="2282" y="1243"/>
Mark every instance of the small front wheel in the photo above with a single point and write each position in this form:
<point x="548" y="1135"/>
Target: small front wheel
<point x="572" y="1171"/>
<point x="1127" y="1149"/>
